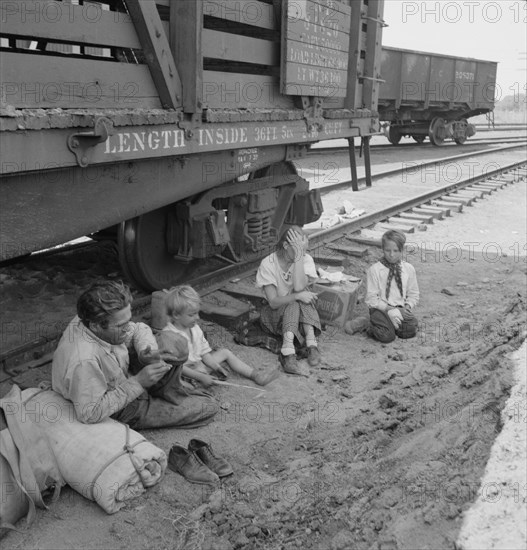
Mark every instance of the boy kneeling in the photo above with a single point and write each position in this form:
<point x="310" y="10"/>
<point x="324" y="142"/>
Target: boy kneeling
<point x="392" y="292"/>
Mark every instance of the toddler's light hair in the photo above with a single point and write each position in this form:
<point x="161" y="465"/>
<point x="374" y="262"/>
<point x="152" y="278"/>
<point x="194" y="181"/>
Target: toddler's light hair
<point x="180" y="299"/>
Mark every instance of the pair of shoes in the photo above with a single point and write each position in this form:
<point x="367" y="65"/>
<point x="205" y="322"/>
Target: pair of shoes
<point x="313" y="356"/>
<point x="262" y="378"/>
<point x="198" y="463"/>
<point x="215" y="463"/>
<point x="290" y="364"/>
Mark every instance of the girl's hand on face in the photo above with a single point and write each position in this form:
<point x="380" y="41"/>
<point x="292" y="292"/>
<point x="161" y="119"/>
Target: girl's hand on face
<point x="298" y="243"/>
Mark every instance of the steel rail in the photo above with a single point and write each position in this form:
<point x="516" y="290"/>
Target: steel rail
<point x="46" y="252"/>
<point x="374" y="217"/>
<point x="392" y="171"/>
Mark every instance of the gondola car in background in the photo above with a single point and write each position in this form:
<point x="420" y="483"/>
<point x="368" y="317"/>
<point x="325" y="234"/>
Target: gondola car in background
<point x="173" y="124"/>
<point x="433" y="95"/>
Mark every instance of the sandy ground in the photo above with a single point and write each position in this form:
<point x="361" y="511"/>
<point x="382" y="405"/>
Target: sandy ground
<point x="382" y="447"/>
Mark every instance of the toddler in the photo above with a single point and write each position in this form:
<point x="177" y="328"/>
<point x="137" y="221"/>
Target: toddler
<point x="183" y="305"/>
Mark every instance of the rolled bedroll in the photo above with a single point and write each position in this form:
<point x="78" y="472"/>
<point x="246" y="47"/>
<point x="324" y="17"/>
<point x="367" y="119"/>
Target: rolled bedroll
<point x="106" y="462"/>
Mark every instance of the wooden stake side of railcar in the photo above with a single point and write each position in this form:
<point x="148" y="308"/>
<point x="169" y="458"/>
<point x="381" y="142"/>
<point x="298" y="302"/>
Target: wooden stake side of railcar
<point x="144" y="115"/>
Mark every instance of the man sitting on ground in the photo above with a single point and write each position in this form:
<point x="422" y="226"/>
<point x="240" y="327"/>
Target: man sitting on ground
<point x="91" y="367"/>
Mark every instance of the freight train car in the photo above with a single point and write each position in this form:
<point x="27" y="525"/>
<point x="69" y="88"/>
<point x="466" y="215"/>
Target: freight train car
<point x="433" y="95"/>
<point x="175" y="123"/>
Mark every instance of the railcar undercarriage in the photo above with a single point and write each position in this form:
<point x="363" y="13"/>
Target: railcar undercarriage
<point x="238" y="220"/>
<point x="437" y="130"/>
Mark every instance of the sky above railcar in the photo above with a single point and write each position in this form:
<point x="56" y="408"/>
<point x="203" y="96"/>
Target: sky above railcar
<point x="494" y="31"/>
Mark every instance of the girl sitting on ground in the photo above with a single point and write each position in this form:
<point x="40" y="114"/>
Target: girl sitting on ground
<point x="392" y="292"/>
<point x="284" y="276"/>
<point x="183" y="305"/>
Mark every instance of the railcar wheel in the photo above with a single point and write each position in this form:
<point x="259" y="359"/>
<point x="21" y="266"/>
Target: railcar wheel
<point x="437" y="131"/>
<point x="143" y="253"/>
<point x="419" y="138"/>
<point x="394" y="136"/>
<point x="461" y="139"/>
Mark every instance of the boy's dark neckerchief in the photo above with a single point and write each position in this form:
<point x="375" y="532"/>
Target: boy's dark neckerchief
<point x="394" y="271"/>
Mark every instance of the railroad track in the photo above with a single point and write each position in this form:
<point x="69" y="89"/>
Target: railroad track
<point x="332" y="245"/>
<point x="410" y="166"/>
<point x="319" y="149"/>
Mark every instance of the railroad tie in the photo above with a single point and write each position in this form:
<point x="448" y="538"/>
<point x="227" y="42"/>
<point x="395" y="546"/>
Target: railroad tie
<point x="471" y="192"/>
<point x="388" y="226"/>
<point x="490" y="188"/>
<point x="371" y="240"/>
<point x="452" y="204"/>
<point x="457" y="199"/>
<point x="501" y="183"/>
<point x="245" y="289"/>
<point x="358" y="252"/>
<point x="511" y="174"/>
<point x="466" y="194"/>
<point x="439" y="213"/>
<point x="508" y="178"/>
<point x="423" y="217"/>
<point x="479" y="189"/>
<point x="403" y="221"/>
<point x="328" y="258"/>
<point x="492" y="185"/>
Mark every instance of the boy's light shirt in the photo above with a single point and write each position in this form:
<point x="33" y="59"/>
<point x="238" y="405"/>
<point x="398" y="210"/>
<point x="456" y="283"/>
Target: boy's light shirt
<point x="376" y="279"/>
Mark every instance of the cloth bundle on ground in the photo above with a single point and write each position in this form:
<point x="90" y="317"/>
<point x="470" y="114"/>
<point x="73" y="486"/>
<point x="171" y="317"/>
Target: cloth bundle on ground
<point x="28" y="467"/>
<point x="252" y="334"/>
<point x="106" y="462"/>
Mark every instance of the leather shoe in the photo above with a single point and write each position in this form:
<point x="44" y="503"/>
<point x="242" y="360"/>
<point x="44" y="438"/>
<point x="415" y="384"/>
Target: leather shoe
<point x="205" y="454"/>
<point x="189" y="465"/>
<point x="290" y="364"/>
<point x="313" y="356"/>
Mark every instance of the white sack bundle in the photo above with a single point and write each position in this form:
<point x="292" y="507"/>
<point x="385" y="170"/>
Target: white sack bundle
<point x="106" y="462"/>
